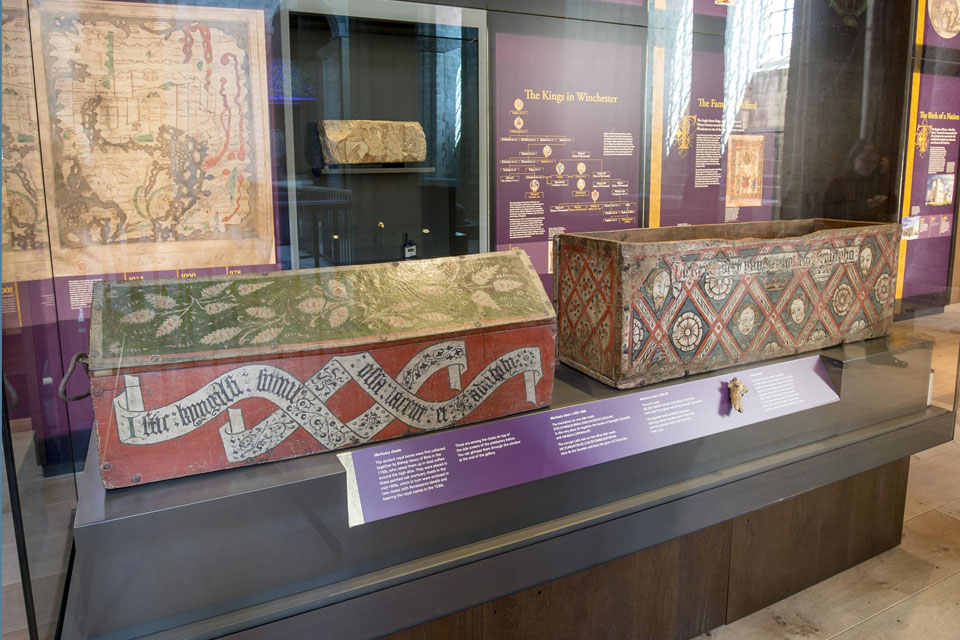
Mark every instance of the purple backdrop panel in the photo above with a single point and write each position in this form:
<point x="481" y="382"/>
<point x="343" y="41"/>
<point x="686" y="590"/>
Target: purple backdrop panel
<point x="401" y="477"/>
<point x="926" y="266"/>
<point x="567" y="118"/>
<point x="32" y="363"/>
<point x="936" y="150"/>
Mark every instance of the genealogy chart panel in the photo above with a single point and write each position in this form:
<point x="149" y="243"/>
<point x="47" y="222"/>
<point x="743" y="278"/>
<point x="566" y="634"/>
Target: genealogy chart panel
<point x="567" y="119"/>
<point x="158" y="154"/>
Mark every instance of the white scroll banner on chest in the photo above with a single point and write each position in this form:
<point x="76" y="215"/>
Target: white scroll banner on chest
<point x="304" y="404"/>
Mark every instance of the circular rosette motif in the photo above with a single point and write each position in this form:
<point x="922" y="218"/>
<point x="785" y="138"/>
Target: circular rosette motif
<point x="717" y="287"/>
<point x="687" y="331"/>
<point x="882" y="288"/>
<point x="842" y="299"/>
<point x="638" y="332"/>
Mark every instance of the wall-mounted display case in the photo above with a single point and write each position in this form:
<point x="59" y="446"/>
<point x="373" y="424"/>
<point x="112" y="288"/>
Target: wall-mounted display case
<point x="364" y="84"/>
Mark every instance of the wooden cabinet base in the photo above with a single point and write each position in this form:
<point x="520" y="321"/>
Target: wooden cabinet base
<point x="689" y="585"/>
<point x="791" y="545"/>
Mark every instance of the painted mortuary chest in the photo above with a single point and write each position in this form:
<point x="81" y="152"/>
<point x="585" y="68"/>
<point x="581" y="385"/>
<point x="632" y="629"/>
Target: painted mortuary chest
<point x="190" y="376"/>
<point x="644" y="305"/>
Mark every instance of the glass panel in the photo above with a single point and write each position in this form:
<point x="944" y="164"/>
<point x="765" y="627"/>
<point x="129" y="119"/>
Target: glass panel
<point x="748" y="133"/>
<point x="927" y="283"/>
<point x="174" y="140"/>
<point x="43" y="451"/>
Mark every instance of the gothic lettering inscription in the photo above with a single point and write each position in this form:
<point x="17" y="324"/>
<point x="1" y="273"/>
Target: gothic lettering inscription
<point x="735" y="266"/>
<point x="303" y="404"/>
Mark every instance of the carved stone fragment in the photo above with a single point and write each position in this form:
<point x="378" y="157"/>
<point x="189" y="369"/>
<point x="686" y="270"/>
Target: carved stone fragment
<point x="737" y="391"/>
<point x="371" y="141"/>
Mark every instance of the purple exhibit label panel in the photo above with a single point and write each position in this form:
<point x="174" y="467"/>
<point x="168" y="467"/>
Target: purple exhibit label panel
<point x="719" y="156"/>
<point x="928" y="229"/>
<point x="400" y="477"/>
<point x="567" y="119"/>
<point x="31" y="348"/>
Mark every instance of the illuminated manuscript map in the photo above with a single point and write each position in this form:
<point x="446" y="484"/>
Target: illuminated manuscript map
<point x="158" y="154"/>
<point x="24" y="219"/>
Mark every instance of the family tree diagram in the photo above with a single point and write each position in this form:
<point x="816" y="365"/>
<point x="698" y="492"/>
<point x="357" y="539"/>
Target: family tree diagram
<point x="548" y="175"/>
<point x="156" y="136"/>
<point x="24" y="214"/>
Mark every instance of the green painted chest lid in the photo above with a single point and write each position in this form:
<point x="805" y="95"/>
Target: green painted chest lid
<point x="157" y="322"/>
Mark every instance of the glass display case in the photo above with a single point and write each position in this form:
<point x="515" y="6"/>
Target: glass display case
<point x="162" y="160"/>
<point x="387" y="71"/>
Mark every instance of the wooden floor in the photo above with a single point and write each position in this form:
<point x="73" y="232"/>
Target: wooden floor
<point x="909" y="593"/>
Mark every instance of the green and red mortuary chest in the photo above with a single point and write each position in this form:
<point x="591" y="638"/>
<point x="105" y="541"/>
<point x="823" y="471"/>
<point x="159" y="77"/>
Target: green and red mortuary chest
<point x="192" y="376"/>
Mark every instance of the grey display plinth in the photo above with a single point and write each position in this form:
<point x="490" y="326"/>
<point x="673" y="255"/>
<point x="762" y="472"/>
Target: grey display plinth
<point x="265" y="551"/>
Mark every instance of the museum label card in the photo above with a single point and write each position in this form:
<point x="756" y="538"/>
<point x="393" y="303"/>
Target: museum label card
<point x="399" y="477"/>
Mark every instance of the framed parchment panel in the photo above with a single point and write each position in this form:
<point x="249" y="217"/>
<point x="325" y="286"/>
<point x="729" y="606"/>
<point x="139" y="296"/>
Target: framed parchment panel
<point x="25" y="242"/>
<point x="154" y="129"/>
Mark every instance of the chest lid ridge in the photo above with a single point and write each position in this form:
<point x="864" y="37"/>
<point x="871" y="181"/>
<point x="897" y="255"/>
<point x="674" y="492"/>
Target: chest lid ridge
<point x="159" y="322"/>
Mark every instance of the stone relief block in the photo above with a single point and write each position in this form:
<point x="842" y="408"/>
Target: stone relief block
<point x="371" y="141"/>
